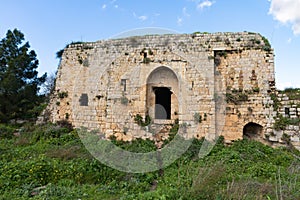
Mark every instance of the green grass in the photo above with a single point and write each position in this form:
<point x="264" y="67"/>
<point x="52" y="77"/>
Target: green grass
<point x="50" y="162"/>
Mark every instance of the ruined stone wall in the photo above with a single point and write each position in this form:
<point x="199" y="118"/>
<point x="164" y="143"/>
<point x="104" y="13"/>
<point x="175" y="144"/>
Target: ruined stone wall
<point x="287" y="119"/>
<point x="246" y="78"/>
<point x="218" y="83"/>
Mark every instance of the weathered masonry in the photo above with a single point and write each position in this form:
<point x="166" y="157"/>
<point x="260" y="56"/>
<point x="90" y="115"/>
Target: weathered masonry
<point x="210" y="84"/>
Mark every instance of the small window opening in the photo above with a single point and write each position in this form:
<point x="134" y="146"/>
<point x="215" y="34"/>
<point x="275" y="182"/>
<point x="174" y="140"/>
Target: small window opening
<point x="123" y="82"/>
<point x="287" y="111"/>
<point x="84" y="99"/>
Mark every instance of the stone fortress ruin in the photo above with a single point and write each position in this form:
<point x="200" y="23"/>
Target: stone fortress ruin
<point x="211" y="84"/>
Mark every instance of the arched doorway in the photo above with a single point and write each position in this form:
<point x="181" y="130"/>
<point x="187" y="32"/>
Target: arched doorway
<point x="162" y="92"/>
<point x="252" y="131"/>
<point x="162" y="102"/>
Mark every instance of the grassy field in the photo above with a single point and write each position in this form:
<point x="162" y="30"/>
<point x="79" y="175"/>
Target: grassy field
<point x="50" y="162"/>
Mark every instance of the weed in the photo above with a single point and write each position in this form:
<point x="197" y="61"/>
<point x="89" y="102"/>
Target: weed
<point x="267" y="45"/>
<point x="146" y="60"/>
<point x="282" y="122"/>
<point x="236" y="97"/>
<point x="62" y="95"/>
<point x="85" y="62"/>
<point x="124" y="100"/>
<point x="150" y="52"/>
<point x="197" y="118"/>
<point x="139" y="120"/>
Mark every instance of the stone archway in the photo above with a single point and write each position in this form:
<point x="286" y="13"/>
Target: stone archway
<point x="252" y="130"/>
<point x="162" y="93"/>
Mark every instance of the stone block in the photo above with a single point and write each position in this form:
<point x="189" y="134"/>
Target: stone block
<point x="295" y="139"/>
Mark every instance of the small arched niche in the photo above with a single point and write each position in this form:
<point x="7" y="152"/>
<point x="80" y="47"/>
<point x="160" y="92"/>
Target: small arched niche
<point x="162" y="93"/>
<point x="252" y="131"/>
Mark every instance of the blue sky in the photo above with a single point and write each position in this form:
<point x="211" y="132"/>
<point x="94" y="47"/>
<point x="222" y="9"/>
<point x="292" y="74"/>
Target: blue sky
<point x="50" y="25"/>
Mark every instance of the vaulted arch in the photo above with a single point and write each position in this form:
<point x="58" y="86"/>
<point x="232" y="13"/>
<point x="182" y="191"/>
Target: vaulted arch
<point x="162" y="93"/>
<point x="252" y="130"/>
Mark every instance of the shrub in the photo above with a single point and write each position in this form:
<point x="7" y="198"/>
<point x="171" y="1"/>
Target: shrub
<point x="197" y="118"/>
<point x="59" y="54"/>
<point x="256" y="89"/>
<point x="292" y="93"/>
<point x="139" y="120"/>
<point x="282" y="122"/>
<point x="276" y="102"/>
<point x="65" y="124"/>
<point x="150" y="52"/>
<point x="267" y="45"/>
<point x="6" y="131"/>
<point x="124" y="100"/>
<point x="146" y="60"/>
<point x="236" y="97"/>
<point x="62" y="95"/>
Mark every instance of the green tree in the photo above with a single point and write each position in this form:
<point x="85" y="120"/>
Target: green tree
<point x="19" y="81"/>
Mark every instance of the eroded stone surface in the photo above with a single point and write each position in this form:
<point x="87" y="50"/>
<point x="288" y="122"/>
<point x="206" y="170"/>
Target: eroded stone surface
<point x="217" y="84"/>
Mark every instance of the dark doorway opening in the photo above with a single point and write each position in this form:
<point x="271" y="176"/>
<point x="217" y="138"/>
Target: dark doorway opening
<point x="162" y="102"/>
<point x="252" y="130"/>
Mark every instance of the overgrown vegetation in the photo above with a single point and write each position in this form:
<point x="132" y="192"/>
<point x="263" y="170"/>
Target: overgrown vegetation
<point x="140" y="121"/>
<point x="146" y="60"/>
<point x="267" y="45"/>
<point x="236" y="97"/>
<point x="50" y="162"/>
<point x="124" y="100"/>
<point x="197" y="118"/>
<point x="282" y="122"/>
<point x="63" y="94"/>
<point x="276" y="102"/>
<point x="84" y="46"/>
<point x="222" y="53"/>
<point x="60" y="52"/>
<point x="218" y="55"/>
<point x="292" y="93"/>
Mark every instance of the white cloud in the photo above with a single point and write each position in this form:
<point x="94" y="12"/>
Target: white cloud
<point x="284" y="85"/>
<point x="185" y="13"/>
<point x="287" y="11"/>
<point x="179" y="21"/>
<point x="116" y="6"/>
<point x="205" y="3"/>
<point x="143" y="17"/>
<point x="296" y="28"/>
<point x="289" y="40"/>
<point x="104" y="6"/>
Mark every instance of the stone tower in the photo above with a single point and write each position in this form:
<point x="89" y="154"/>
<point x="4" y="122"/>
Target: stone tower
<point x="208" y="83"/>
